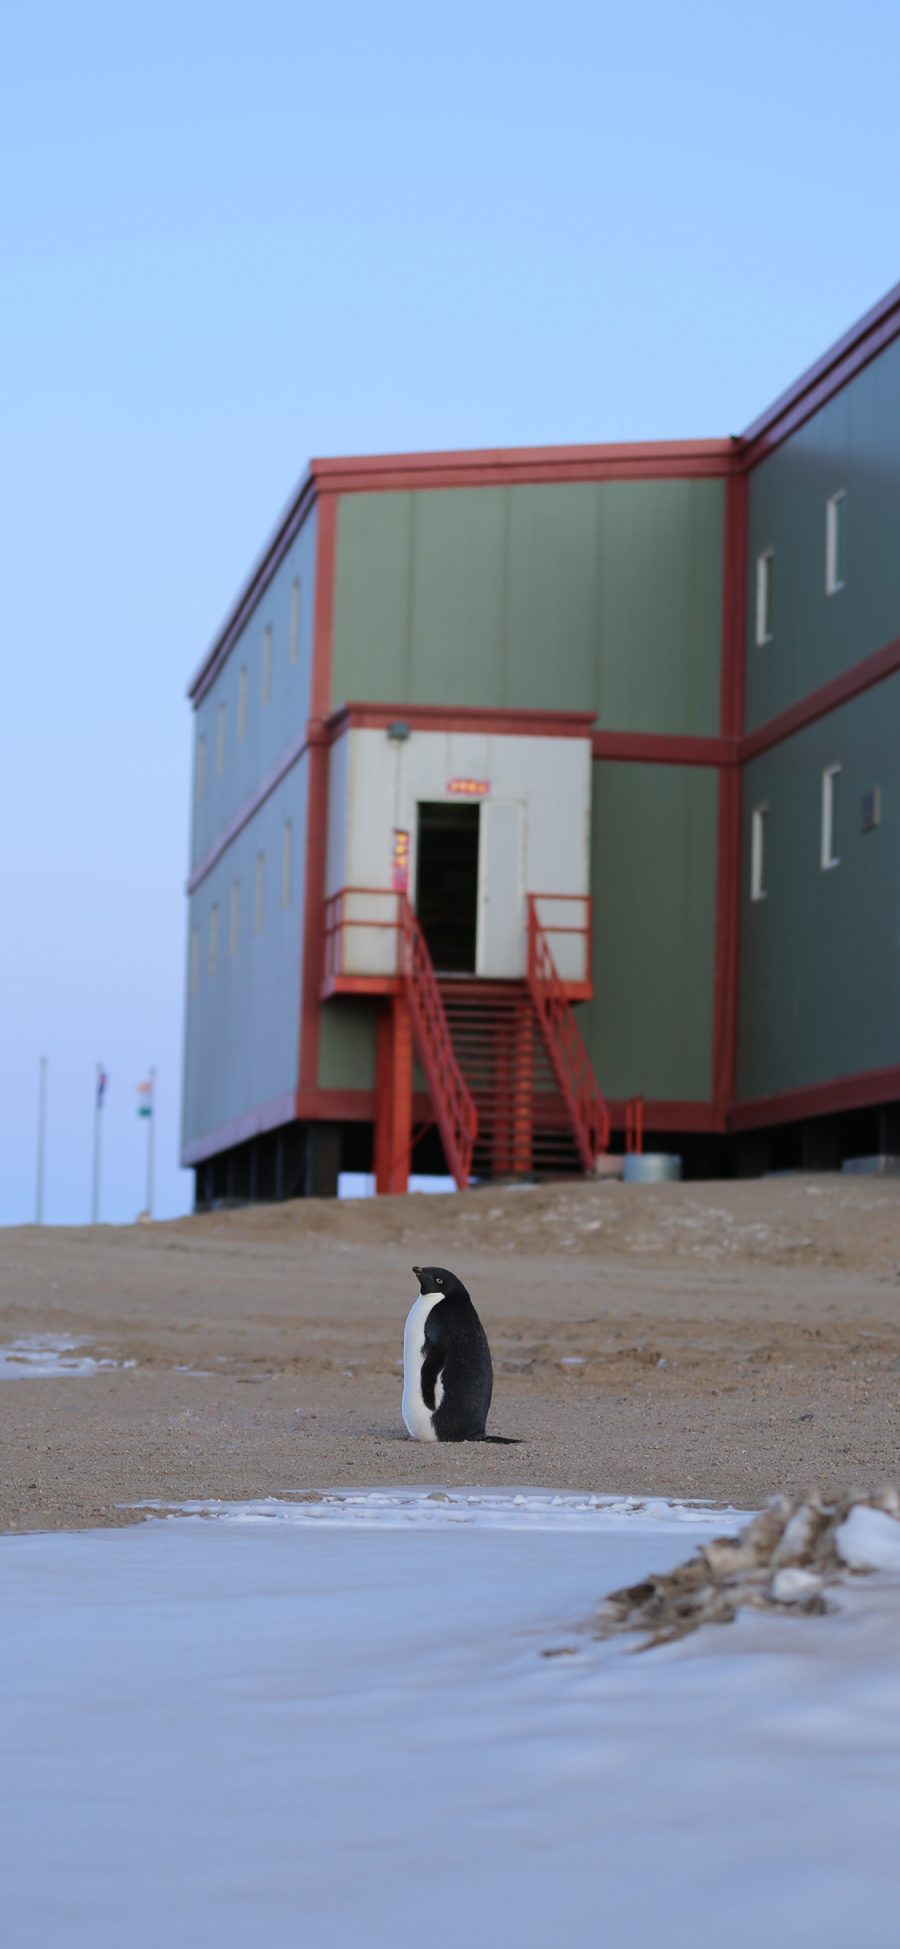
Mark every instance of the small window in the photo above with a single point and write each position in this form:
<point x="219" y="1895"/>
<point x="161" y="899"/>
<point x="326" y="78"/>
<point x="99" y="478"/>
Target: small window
<point x="259" y="910"/>
<point x="242" y="703"/>
<point x="213" y="940"/>
<point x="220" y="739"/>
<point x="195" y="959"/>
<point x="835" y="541"/>
<point x="234" y="917"/>
<point x="831" y="816"/>
<point x="267" y="664"/>
<point x="200" y="773"/>
<point x="765" y="569"/>
<point x="295" y="620"/>
<point x="287" y="847"/>
<point x="758" y="887"/>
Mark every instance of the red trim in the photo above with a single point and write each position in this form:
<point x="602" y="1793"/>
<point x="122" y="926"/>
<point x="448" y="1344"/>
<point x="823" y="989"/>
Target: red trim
<point x="831" y="372"/>
<point x="358" y="1106"/>
<point x="859" y="1092"/>
<point x="460" y="717"/>
<point x="317" y="803"/>
<point x="296" y="750"/>
<point x="829" y="697"/>
<point x="289" y="525"/>
<point x="660" y="748"/>
<point x="509" y="466"/>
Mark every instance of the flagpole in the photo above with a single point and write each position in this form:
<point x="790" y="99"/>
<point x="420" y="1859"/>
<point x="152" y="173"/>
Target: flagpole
<point x="42" y="1133"/>
<point x="98" y="1112"/>
<point x="150" y="1123"/>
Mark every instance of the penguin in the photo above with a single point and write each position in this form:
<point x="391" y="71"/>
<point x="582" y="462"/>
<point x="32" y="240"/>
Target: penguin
<point x="448" y="1378"/>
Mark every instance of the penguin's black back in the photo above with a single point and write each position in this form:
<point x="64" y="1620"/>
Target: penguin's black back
<point x="457" y="1352"/>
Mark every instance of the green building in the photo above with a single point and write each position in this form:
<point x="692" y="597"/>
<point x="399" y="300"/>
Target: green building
<point x="532" y="786"/>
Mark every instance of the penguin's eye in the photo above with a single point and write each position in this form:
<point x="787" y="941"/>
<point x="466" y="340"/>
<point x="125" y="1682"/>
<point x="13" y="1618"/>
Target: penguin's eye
<point x="439" y="1282"/>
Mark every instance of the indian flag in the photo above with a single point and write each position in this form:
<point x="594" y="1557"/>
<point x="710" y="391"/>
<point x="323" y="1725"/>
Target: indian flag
<point x="145" y="1099"/>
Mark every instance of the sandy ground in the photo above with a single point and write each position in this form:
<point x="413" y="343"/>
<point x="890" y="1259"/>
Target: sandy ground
<point x="722" y="1341"/>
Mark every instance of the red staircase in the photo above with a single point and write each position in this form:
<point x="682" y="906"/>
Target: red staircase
<point x="454" y="1108"/>
<point x="569" y="1059"/>
<point x="509" y="1079"/>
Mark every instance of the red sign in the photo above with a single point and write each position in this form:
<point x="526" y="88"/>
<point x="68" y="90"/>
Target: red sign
<point x="470" y="788"/>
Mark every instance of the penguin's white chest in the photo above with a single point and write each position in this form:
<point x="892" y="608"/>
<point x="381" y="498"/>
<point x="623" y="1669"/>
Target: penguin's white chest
<point x="419" y="1419"/>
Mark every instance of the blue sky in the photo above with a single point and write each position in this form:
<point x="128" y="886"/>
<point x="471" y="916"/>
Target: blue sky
<point x="236" y="236"/>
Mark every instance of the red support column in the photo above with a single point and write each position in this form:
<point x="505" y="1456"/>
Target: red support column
<point x="522" y="1091"/>
<point x="393" y="1096"/>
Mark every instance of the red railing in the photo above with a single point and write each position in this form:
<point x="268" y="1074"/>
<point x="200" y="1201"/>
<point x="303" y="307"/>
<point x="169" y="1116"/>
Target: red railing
<point x="452" y="1101"/>
<point x="634" y="1125"/>
<point x="581" y="930"/>
<point x="339" y="922"/>
<point x="562" y="1037"/>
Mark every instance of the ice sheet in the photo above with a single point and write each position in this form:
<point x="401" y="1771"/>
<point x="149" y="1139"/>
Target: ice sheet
<point x="270" y="1730"/>
<point x="41" y="1354"/>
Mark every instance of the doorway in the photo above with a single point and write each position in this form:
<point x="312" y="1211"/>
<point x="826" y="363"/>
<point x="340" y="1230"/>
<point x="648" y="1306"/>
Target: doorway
<point x="447" y="884"/>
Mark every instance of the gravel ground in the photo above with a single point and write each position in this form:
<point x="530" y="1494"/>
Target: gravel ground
<point x="724" y="1341"/>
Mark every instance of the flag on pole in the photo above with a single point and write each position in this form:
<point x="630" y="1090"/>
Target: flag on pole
<point x="102" y="1080"/>
<point x="145" y="1099"/>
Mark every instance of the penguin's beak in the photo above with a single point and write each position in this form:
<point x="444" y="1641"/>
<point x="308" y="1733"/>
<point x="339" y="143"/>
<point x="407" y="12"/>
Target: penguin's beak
<point x="418" y="1271"/>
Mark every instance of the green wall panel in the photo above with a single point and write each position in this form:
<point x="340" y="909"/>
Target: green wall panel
<point x="820" y="956"/>
<point x="581" y="596"/>
<point x="649" y="1027"/>
<point x="852" y="443"/>
<point x="347" y="1045"/>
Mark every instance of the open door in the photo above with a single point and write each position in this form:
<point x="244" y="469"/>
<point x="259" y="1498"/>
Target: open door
<point x="500" y="950"/>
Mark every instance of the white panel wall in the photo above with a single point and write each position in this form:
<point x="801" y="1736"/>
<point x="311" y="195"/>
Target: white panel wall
<point x="376" y="784"/>
<point x="243" y="1021"/>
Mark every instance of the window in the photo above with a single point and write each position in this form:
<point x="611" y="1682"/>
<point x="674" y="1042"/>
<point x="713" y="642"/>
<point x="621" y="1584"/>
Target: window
<point x="835" y="541"/>
<point x="259" y="911"/>
<point x="758" y="887"/>
<point x="765" y="566"/>
<point x="831" y="809"/>
<point x="234" y="917"/>
<point x="287" y="846"/>
<point x="195" y="959"/>
<point x="242" y="703"/>
<point x="267" y="664"/>
<point x="295" y="620"/>
<point x="220" y="739"/>
<point x="213" y="940"/>
<point x="200" y="773"/>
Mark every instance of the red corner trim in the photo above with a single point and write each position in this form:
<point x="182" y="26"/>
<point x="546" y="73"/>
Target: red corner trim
<point x="858" y="1092"/>
<point x="840" y="690"/>
<point x="289" y="525"/>
<point x="821" y="381"/>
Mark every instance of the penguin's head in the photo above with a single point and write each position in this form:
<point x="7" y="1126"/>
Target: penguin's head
<point x="437" y="1280"/>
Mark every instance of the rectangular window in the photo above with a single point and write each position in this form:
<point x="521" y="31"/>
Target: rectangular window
<point x="200" y="773"/>
<point x="831" y="813"/>
<point x="287" y="847"/>
<point x="765" y="569"/>
<point x="235" y="916"/>
<point x="220" y="739"/>
<point x="758" y="887"/>
<point x="195" y="959"/>
<point x="242" y="703"/>
<point x="213" y="940"/>
<point x="295" y="620"/>
<point x="835" y="541"/>
<point x="259" y="910"/>
<point x="267" y="664"/>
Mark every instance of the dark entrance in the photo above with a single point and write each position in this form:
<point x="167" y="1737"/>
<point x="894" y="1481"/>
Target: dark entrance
<point x="447" y="884"/>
